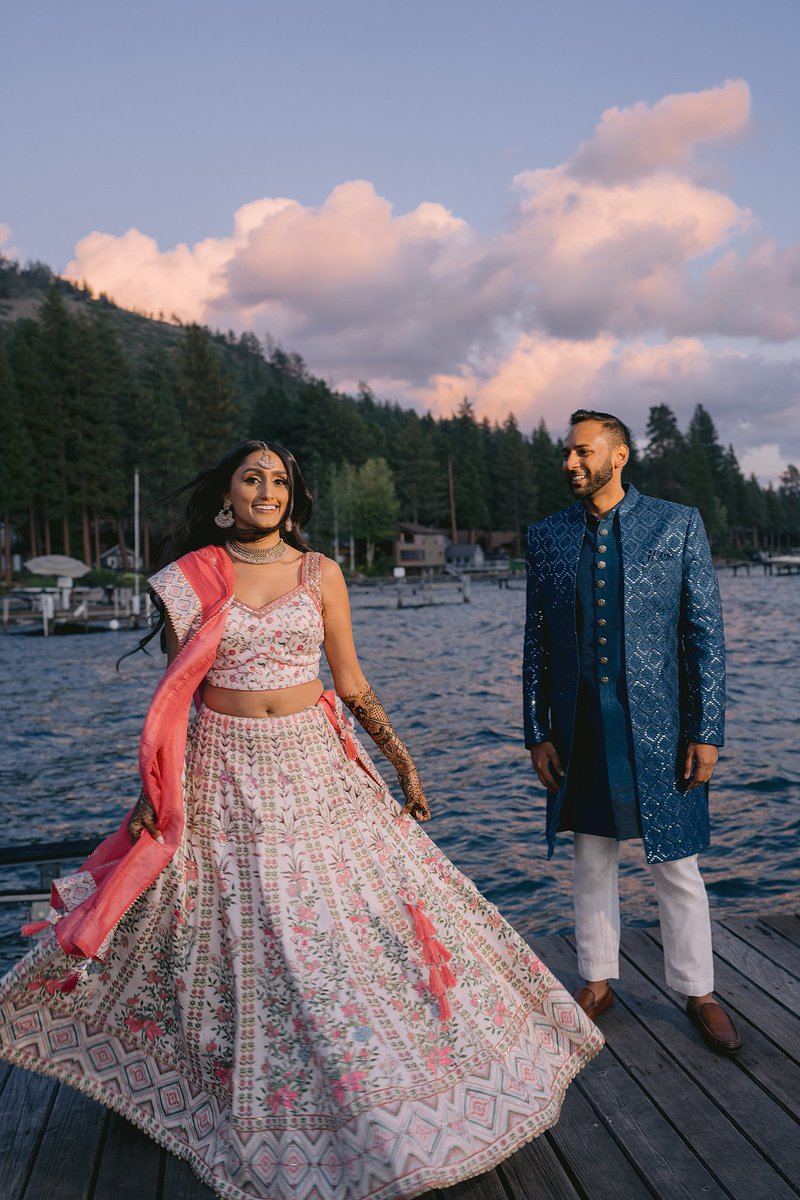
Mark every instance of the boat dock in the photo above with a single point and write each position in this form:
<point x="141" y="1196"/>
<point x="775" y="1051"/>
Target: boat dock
<point x="778" y="564"/>
<point x="656" y="1116"/>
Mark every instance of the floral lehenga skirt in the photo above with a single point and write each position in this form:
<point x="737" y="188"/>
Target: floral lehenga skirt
<point x="310" y="1001"/>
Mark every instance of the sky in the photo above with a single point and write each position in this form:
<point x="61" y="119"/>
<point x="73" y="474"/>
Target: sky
<point x="538" y="205"/>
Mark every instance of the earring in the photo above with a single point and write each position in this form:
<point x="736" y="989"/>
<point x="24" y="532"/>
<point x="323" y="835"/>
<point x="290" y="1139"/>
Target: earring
<point x="225" y="517"/>
<point x="288" y="525"/>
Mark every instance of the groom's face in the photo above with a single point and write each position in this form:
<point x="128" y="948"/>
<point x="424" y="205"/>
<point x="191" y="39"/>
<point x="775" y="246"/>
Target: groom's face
<point x="587" y="459"/>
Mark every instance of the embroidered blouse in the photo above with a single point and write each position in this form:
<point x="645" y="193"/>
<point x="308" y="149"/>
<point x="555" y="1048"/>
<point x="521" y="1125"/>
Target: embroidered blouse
<point x="261" y="649"/>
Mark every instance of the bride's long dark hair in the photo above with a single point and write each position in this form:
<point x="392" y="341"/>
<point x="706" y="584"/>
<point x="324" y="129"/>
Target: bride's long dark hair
<point x="198" y="528"/>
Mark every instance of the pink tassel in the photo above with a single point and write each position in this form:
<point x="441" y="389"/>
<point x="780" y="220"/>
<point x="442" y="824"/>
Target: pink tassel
<point x="423" y="926"/>
<point x="429" y="954"/>
<point x="435" y="956"/>
<point x="435" y="982"/>
<point x="441" y="955"/>
<point x="448" y="978"/>
<point x="69" y="984"/>
<point x="36" y="927"/>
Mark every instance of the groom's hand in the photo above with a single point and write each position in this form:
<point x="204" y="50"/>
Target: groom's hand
<point x="547" y="765"/>
<point x="699" y="764"/>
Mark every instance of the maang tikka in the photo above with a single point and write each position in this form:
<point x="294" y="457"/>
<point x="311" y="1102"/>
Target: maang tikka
<point x="267" y="461"/>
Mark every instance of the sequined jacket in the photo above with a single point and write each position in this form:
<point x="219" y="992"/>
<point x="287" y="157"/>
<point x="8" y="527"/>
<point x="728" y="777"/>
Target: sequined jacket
<point x="674" y="658"/>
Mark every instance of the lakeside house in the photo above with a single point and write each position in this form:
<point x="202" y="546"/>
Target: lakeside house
<point x="419" y="547"/>
<point x="468" y="557"/>
<point x="111" y="560"/>
<point x="425" y="548"/>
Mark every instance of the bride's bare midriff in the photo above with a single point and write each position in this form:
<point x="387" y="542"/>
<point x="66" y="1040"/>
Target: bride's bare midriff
<point x="279" y="703"/>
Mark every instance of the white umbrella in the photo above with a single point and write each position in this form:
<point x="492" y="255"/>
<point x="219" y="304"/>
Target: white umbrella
<point x="57" y="564"/>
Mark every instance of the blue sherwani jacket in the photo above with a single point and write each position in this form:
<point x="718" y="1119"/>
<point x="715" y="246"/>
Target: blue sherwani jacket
<point x="674" y="659"/>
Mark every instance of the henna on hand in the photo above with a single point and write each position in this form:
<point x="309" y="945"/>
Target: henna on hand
<point x="416" y="804"/>
<point x="370" y="713"/>
<point x="144" y="817"/>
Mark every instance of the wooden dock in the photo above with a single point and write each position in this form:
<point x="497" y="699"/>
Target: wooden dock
<point x="656" y="1115"/>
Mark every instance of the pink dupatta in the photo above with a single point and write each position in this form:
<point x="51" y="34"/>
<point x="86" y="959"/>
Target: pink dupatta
<point x="118" y="871"/>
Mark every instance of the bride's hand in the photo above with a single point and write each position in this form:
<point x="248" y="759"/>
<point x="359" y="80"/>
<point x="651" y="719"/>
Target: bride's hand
<point x="144" y="817"/>
<point x="416" y="804"/>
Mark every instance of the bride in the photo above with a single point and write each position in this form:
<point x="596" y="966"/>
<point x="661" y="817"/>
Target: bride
<point x="270" y="968"/>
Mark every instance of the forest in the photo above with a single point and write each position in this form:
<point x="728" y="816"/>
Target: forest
<point x="89" y="392"/>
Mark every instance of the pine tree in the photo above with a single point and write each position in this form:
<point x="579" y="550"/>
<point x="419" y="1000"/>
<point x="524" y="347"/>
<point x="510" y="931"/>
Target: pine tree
<point x="466" y="454"/>
<point x="515" y="492"/>
<point x="208" y="398"/>
<point x="59" y="362"/>
<point x="156" y="444"/>
<point x="94" y="443"/>
<point x="663" y="455"/>
<point x="698" y="486"/>
<point x="16" y="461"/>
<point x="26" y="356"/>
<point x="547" y="478"/>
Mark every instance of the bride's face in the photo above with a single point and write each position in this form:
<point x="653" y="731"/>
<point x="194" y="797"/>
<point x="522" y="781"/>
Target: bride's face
<point x="259" y="492"/>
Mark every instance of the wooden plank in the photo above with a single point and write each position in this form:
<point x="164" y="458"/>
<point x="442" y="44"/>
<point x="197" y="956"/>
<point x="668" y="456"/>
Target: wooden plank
<point x="781" y="985"/>
<point x="668" y="1166"/>
<point x="130" y="1166"/>
<point x="582" y="1139"/>
<point x="767" y="941"/>
<point x="482" y="1187"/>
<point x="596" y="1162"/>
<point x="25" y="1105"/>
<point x="740" y="1132"/>
<point x="760" y="1057"/>
<point x="534" y="1171"/>
<point x="748" y="1000"/>
<point x="786" y="924"/>
<point x="181" y="1183"/>
<point x="69" y="1148"/>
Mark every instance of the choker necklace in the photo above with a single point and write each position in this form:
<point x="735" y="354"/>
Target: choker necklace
<point x="247" y="553"/>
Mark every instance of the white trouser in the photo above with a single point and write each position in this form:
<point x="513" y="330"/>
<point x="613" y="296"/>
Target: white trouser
<point x="682" y="911"/>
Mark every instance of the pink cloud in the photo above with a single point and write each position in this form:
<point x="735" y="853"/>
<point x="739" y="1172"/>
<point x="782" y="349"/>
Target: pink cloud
<point x="630" y="143"/>
<point x="613" y="267"/>
<point x="134" y="272"/>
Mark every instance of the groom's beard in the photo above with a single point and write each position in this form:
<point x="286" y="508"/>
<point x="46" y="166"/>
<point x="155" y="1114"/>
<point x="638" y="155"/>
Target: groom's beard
<point x="592" y="481"/>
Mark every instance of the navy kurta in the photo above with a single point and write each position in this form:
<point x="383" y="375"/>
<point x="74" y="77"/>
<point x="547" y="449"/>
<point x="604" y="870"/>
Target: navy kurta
<point x="601" y="793"/>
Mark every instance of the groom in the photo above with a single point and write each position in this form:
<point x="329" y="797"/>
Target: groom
<point x="624" y="696"/>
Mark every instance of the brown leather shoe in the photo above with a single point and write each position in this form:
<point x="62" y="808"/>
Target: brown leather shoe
<point x="716" y="1026"/>
<point x="593" y="1005"/>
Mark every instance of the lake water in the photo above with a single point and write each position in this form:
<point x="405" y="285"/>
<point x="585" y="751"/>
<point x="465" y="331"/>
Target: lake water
<point x="450" y="678"/>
